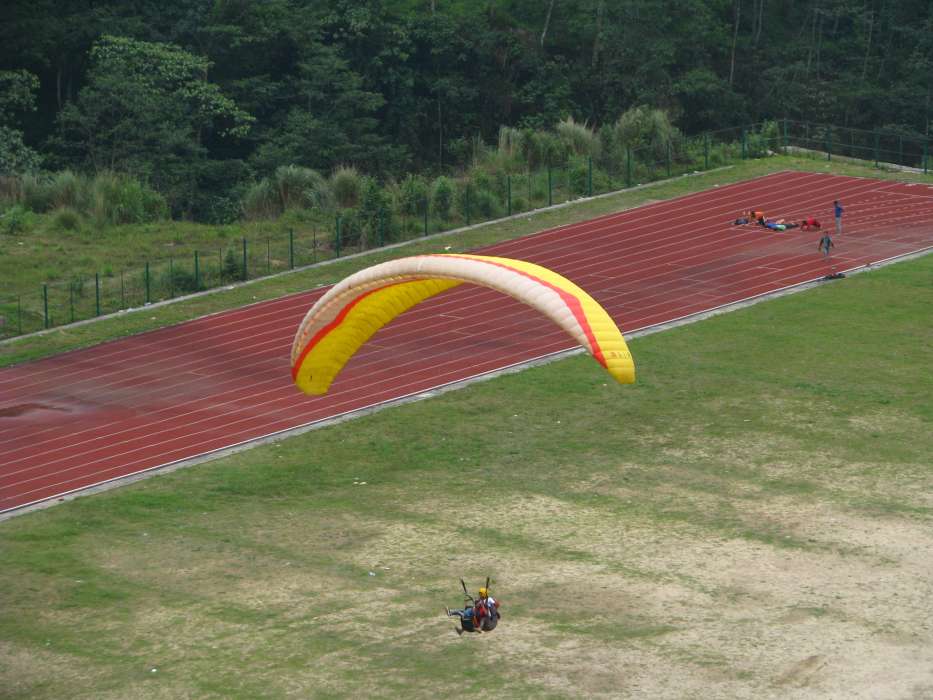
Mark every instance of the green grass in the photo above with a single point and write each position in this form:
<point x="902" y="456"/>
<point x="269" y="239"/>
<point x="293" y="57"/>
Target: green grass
<point x="771" y="466"/>
<point x="28" y="260"/>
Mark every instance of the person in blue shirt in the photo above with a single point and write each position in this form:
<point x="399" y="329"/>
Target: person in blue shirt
<point x="837" y="212"/>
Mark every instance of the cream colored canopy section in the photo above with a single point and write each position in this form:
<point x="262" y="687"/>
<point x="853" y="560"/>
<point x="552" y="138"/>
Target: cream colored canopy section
<point x="353" y="310"/>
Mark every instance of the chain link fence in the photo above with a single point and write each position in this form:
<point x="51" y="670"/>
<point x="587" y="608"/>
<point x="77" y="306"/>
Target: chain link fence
<point x="475" y="199"/>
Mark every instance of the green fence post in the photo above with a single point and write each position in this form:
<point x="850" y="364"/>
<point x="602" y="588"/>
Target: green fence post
<point x="19" y="315"/>
<point x="785" y="136"/>
<point x="425" y="216"/>
<point x="171" y="278"/>
<point x="147" y="282"/>
<point x="97" y="292"/>
<point x="550" y="198"/>
<point x="268" y="255"/>
<point x="245" y="270"/>
<point x="382" y="228"/>
<point x="628" y="167"/>
<point x="744" y="144"/>
<point x="706" y="151"/>
<point x="877" y="139"/>
<point x="71" y="300"/>
<point x="589" y="177"/>
<point x="45" y="303"/>
<point x="197" y="272"/>
<point x="668" y="158"/>
<point x="469" y="188"/>
<point x="926" y="154"/>
<point x="338" y="241"/>
<point x="900" y="150"/>
<point x="122" y="291"/>
<point x="531" y="195"/>
<point x="291" y="249"/>
<point x="829" y="143"/>
<point x="508" y="183"/>
<point x="313" y="245"/>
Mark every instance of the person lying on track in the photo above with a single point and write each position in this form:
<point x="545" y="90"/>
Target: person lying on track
<point x="809" y="224"/>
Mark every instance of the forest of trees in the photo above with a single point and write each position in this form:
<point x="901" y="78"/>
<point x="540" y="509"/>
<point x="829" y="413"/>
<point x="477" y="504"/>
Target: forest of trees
<point x="202" y="99"/>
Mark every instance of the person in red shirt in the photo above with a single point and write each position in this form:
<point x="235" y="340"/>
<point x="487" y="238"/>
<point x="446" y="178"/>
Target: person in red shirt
<point x="490" y="618"/>
<point x="809" y="223"/>
<point x="481" y="616"/>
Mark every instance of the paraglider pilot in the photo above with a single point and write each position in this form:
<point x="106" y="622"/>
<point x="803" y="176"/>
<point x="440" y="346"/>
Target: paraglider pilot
<point x="481" y="615"/>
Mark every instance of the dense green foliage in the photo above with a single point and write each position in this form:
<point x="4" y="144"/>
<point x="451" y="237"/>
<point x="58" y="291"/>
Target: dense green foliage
<point x="202" y="98"/>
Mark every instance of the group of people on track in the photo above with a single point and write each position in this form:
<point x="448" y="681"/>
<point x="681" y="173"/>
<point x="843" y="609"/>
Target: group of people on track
<point x="808" y="223"/>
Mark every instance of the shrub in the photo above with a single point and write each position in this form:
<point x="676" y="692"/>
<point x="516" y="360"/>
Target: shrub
<point x="346" y="185"/>
<point x="182" y="281"/>
<point x="220" y="209"/>
<point x="442" y="197"/>
<point x="261" y="201"/>
<point x="510" y="141"/>
<point x="17" y="219"/>
<point x="644" y="129"/>
<point x="351" y="230"/>
<point x="540" y="148"/>
<point x="232" y="269"/>
<point x="119" y="199"/>
<point x="413" y="195"/>
<point x="300" y="188"/>
<point x="577" y="139"/>
<point x="509" y="152"/>
<point x="37" y="194"/>
<point x="485" y="204"/>
<point x="376" y="209"/>
<point x="761" y="143"/>
<point x="578" y="172"/>
<point x="65" y="189"/>
<point x="11" y="190"/>
<point x="66" y="219"/>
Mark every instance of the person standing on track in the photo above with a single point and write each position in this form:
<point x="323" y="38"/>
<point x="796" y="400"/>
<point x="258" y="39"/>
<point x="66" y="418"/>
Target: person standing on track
<point x="837" y="212"/>
<point x="826" y="242"/>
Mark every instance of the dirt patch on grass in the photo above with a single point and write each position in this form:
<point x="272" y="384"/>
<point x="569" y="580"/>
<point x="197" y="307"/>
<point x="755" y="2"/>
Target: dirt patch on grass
<point x="828" y="614"/>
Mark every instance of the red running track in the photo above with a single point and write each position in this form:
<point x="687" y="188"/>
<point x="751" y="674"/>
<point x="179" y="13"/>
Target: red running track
<point x="103" y="413"/>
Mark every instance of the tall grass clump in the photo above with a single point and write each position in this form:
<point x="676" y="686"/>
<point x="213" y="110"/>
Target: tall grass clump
<point x="67" y="189"/>
<point x="261" y="201"/>
<point x="119" y="199"/>
<point x="577" y="139"/>
<point x="11" y="190"/>
<point x="47" y="191"/>
<point x="291" y="188"/>
<point x="66" y="219"/>
<point x="540" y="148"/>
<point x="302" y="188"/>
<point x="510" y="141"/>
<point x="346" y="185"/>
<point x="37" y="192"/>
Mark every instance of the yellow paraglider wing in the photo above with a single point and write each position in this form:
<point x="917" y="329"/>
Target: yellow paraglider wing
<point x="353" y="310"/>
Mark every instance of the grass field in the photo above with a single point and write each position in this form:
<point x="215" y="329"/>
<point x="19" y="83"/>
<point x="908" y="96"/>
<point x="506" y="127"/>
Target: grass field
<point x="753" y="518"/>
<point x="64" y="250"/>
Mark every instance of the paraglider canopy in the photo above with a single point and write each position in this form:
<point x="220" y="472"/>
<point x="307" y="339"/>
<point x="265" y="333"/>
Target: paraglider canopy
<point x="342" y="320"/>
